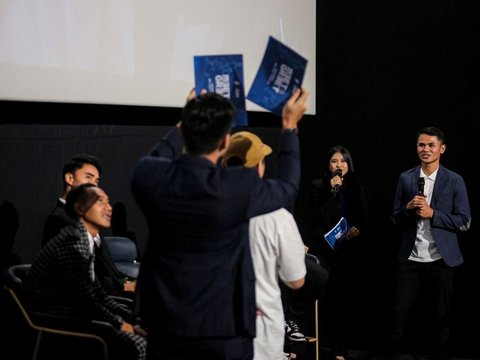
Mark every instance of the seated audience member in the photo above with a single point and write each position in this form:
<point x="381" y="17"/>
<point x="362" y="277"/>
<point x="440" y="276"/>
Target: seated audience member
<point x="277" y="253"/>
<point x="62" y="281"/>
<point x="82" y="169"/>
<point x="298" y="304"/>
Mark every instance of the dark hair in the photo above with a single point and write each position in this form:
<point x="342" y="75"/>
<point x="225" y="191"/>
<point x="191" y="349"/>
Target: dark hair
<point x="346" y="156"/>
<point x="234" y="161"/>
<point x="432" y="131"/>
<point x="205" y="120"/>
<point x="77" y="162"/>
<point x="80" y="199"/>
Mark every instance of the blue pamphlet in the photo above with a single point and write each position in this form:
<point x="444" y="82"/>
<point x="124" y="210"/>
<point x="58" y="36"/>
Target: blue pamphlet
<point x="280" y="74"/>
<point x="337" y="233"/>
<point x="223" y="74"/>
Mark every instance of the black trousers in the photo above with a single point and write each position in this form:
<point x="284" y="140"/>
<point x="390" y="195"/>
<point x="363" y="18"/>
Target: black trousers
<point x="212" y="348"/>
<point x="298" y="302"/>
<point x="435" y="280"/>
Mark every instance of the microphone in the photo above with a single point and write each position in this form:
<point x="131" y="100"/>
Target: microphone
<point x="337" y="172"/>
<point x="421" y="185"/>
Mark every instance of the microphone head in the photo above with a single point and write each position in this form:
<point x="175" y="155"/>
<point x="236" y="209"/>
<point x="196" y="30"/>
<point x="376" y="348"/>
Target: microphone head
<point x="337" y="172"/>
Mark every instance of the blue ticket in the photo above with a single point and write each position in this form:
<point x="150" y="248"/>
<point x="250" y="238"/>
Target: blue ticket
<point x="280" y="73"/>
<point x="223" y="74"/>
<point x="337" y="233"/>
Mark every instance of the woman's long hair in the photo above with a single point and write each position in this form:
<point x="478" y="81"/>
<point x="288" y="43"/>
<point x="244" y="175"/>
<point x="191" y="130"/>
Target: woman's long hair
<point x="346" y="155"/>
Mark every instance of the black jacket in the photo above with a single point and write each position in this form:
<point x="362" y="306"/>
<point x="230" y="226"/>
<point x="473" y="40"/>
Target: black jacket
<point x="111" y="279"/>
<point x="327" y="209"/>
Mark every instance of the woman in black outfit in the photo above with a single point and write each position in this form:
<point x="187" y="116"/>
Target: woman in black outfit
<point x="338" y="193"/>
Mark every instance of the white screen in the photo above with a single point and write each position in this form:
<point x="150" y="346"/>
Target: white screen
<point x="140" y="52"/>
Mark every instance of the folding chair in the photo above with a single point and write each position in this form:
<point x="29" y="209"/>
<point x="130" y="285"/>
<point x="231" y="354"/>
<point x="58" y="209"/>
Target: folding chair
<point x="63" y="331"/>
<point x="315" y="339"/>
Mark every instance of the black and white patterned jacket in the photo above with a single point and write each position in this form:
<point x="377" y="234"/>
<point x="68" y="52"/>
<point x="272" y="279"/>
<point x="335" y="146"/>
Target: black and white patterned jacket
<point x="61" y="282"/>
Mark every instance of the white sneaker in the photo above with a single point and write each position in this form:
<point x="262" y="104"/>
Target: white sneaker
<point x="292" y="331"/>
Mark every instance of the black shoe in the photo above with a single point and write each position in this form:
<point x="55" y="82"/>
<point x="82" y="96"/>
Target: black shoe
<point x="292" y="331"/>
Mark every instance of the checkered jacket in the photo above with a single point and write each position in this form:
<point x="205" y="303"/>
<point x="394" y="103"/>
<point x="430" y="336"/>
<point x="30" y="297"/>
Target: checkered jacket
<point x="62" y="283"/>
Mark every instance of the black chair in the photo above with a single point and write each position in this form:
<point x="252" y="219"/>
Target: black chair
<point x="124" y="254"/>
<point x="54" y="338"/>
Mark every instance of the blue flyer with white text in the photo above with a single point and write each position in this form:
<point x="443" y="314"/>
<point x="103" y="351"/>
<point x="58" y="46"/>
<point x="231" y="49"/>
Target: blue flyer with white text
<point x="337" y="233"/>
<point x="223" y="74"/>
<point x="280" y="74"/>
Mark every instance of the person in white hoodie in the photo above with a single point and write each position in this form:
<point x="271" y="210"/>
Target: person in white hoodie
<point x="277" y="252"/>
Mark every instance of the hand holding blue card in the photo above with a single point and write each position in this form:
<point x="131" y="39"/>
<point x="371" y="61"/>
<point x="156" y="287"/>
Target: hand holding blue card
<point x="337" y="233"/>
<point x="280" y="74"/>
<point x="223" y="74"/>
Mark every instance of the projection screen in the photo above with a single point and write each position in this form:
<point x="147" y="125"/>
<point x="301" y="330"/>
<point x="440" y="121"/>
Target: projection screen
<point x="139" y="52"/>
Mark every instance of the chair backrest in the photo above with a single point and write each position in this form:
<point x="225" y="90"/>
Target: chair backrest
<point x="314" y="258"/>
<point x="85" y="344"/>
<point x="14" y="278"/>
<point x="124" y="254"/>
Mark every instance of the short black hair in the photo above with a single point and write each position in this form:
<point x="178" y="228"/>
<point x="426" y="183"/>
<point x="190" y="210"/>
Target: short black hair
<point x="205" y="120"/>
<point x="234" y="161"/>
<point x="432" y="131"/>
<point x="77" y="162"/>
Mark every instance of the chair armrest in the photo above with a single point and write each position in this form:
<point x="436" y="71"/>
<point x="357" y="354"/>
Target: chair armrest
<point x="70" y="324"/>
<point x="123" y="300"/>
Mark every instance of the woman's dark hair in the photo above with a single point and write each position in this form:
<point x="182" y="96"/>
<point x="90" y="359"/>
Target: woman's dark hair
<point x="346" y="155"/>
<point x="80" y="199"/>
<point x="205" y="120"/>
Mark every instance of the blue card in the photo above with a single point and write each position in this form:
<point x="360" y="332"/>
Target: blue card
<point x="337" y="233"/>
<point x="223" y="74"/>
<point x="280" y="74"/>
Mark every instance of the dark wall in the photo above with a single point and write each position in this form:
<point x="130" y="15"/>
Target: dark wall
<point x="32" y="157"/>
<point x="385" y="69"/>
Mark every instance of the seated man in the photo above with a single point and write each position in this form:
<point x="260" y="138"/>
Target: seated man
<point x="82" y="169"/>
<point x="62" y="280"/>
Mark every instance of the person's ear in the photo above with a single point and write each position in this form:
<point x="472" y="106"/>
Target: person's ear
<point x="69" y="178"/>
<point x="78" y="210"/>
<point x="260" y="167"/>
<point x="443" y="147"/>
<point x="224" y="143"/>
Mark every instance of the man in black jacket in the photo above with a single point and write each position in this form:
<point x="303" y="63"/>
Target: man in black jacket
<point x="197" y="285"/>
<point x="81" y="169"/>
